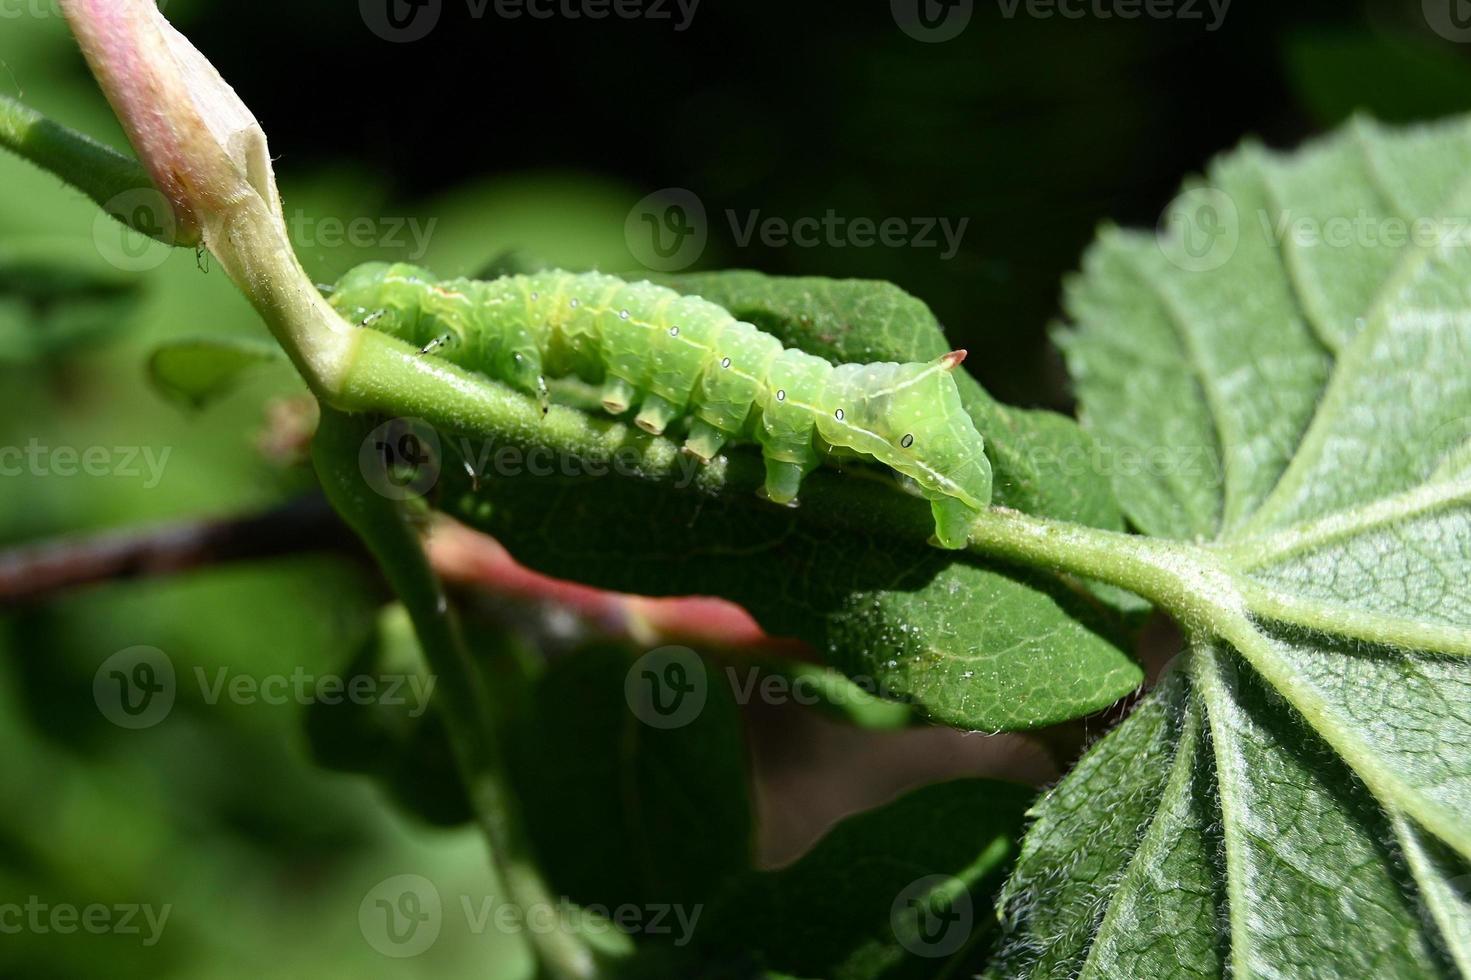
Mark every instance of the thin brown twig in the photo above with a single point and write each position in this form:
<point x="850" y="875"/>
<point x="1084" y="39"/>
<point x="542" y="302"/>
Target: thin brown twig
<point x="464" y="558"/>
<point x="33" y="573"/>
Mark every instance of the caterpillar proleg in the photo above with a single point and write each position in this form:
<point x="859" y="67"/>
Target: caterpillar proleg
<point x="674" y="357"/>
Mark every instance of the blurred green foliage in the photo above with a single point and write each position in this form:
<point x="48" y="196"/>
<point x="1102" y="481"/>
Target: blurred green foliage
<point x="1034" y="131"/>
<point x="217" y="811"/>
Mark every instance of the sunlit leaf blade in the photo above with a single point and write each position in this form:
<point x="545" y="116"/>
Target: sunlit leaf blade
<point x="1302" y="834"/>
<point x="1303" y="326"/>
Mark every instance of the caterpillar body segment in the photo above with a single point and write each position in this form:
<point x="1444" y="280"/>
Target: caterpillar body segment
<point x="672" y="357"/>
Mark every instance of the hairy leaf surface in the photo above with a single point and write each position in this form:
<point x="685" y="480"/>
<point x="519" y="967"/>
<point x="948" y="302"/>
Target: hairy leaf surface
<point x="1288" y="360"/>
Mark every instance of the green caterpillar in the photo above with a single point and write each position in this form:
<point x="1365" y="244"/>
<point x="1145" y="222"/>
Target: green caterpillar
<point x="674" y="356"/>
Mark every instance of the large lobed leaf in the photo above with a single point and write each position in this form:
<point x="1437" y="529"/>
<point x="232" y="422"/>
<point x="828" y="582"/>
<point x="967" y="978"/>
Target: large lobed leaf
<point x="1294" y="800"/>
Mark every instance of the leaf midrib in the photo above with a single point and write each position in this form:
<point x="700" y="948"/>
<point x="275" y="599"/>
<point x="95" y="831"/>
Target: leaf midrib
<point x="1213" y="601"/>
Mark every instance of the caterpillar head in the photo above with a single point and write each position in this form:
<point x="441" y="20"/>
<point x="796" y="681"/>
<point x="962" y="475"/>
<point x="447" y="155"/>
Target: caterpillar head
<point x="373" y="294"/>
<point x="910" y="417"/>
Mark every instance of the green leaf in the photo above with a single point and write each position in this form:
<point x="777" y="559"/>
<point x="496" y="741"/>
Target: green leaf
<point x="901" y="891"/>
<point x="1302" y="834"/>
<point x="828" y="690"/>
<point x="1092" y="849"/>
<point x="970" y="644"/>
<point x="621" y="811"/>
<point x="1289" y="358"/>
<point x="198" y="371"/>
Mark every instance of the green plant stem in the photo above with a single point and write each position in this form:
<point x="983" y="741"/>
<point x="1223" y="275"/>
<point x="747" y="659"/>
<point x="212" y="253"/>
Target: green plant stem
<point x="1200" y="586"/>
<point x="464" y="703"/>
<point x="249" y="239"/>
<point x="1196" y="584"/>
<point x="99" y="171"/>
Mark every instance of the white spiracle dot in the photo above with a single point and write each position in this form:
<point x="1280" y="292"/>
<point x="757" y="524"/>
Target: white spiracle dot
<point x="623" y="314"/>
<point x="572" y="302"/>
<point x="907" y="441"/>
<point x="535" y="297"/>
<point x="725" y="362"/>
<point x="781" y="394"/>
<point x="838" y="415"/>
<point x="674" y="331"/>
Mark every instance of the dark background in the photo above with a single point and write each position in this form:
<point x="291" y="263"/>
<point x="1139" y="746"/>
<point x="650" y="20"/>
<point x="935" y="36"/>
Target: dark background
<point x="1036" y="129"/>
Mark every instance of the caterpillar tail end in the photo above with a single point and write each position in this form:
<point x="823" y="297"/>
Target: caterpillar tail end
<point x="656" y="414"/>
<point x="617" y="395"/>
<point x="952" y="360"/>
<point x="705" y="441"/>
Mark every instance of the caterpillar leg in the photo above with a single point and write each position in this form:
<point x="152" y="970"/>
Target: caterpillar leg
<point x="618" y="395"/>
<point x="783" y="480"/>
<point x="705" y="440"/>
<point x="656" y="414"/>
<point x="952" y="522"/>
